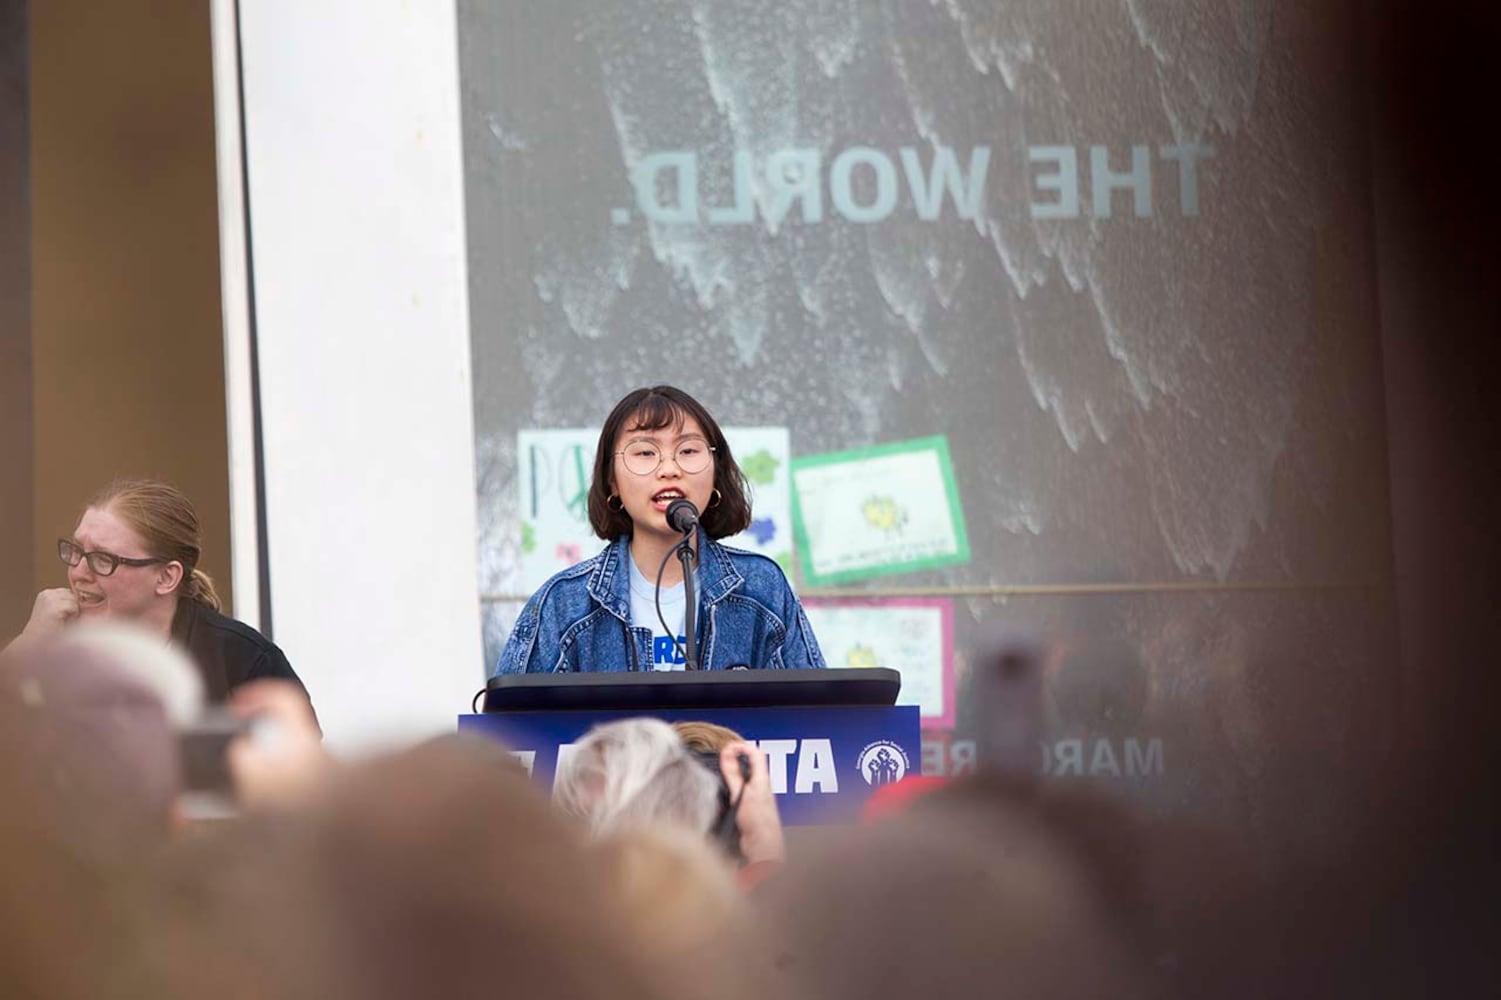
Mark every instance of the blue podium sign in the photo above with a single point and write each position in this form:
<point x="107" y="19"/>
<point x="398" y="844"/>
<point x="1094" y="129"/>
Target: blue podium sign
<point x="823" y="762"/>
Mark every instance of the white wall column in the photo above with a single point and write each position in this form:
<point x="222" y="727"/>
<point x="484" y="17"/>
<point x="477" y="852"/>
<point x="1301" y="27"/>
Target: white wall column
<point x="356" y="220"/>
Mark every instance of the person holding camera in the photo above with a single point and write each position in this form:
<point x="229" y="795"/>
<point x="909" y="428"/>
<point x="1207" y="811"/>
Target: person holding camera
<point x="638" y="773"/>
<point x="134" y="558"/>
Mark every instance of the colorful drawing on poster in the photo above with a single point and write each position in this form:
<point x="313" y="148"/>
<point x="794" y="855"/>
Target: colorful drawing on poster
<point x="553" y="474"/>
<point x="892" y="508"/>
<point x="914" y="635"/>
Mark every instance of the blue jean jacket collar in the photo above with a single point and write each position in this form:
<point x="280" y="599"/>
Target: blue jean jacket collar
<point x="610" y="583"/>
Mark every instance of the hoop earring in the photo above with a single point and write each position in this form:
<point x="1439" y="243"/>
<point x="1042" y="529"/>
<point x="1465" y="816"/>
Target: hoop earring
<point x="716" y="499"/>
<point x="618" y="505"/>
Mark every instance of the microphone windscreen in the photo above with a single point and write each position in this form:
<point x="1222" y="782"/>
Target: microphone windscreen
<point x="682" y="516"/>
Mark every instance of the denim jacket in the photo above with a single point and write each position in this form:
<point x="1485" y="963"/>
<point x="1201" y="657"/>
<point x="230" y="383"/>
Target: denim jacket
<point x="581" y="619"/>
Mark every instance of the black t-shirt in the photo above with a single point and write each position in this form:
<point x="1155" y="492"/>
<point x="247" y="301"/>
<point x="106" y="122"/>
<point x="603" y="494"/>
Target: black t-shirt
<point x="228" y="653"/>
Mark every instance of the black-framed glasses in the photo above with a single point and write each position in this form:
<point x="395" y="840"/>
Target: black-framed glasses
<point x="102" y="563"/>
<point x="643" y="457"/>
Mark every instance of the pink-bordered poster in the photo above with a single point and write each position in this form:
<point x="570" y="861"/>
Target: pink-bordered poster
<point x="914" y="635"/>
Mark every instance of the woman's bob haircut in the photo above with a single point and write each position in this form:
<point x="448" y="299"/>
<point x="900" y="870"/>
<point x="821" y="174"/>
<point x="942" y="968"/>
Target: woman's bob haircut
<point x="651" y="410"/>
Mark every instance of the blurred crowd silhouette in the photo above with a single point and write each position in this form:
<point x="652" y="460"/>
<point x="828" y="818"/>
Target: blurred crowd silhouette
<point x="444" y="870"/>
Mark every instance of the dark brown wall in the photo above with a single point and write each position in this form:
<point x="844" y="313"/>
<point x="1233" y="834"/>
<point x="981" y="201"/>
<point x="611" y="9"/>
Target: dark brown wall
<point x="1438" y="216"/>
<point x="1441" y="312"/>
<point x="128" y="342"/>
<point x="16" y="560"/>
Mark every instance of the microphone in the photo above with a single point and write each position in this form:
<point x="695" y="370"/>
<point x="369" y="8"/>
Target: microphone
<point x="682" y="516"/>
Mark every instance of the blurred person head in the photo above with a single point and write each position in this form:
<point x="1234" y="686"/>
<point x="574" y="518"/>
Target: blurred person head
<point x="1183" y="899"/>
<point x="673" y="885"/>
<point x="946" y="904"/>
<point x="135" y="554"/>
<point x="92" y="721"/>
<point x="687" y="914"/>
<point x="633" y="773"/>
<point x="89" y="772"/>
<point x="161" y="668"/>
<point x="439" y="871"/>
<point x="896" y="797"/>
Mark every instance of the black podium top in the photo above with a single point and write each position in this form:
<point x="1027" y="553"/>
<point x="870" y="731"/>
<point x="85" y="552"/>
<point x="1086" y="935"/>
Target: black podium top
<point x="650" y="690"/>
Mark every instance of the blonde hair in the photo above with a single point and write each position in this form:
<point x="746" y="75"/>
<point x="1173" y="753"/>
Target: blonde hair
<point x="706" y="737"/>
<point x="168" y="524"/>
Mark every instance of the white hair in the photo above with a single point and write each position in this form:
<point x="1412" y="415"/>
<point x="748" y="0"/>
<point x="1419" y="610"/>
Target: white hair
<point x="161" y="668"/>
<point x="634" y="773"/>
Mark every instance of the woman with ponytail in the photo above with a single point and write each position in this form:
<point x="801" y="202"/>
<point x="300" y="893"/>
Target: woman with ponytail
<point x="134" y="556"/>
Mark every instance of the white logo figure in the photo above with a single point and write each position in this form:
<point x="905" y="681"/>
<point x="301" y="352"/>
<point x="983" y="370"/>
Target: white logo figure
<point x="882" y="763"/>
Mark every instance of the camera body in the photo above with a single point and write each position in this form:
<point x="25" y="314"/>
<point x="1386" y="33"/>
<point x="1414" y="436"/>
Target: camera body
<point x="725" y="831"/>
<point x="208" y="787"/>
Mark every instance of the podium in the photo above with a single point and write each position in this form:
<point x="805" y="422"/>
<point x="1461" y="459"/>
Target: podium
<point x="830" y="736"/>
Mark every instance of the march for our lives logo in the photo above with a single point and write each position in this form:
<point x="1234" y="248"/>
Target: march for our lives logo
<point x="883" y="763"/>
<point x="665" y="651"/>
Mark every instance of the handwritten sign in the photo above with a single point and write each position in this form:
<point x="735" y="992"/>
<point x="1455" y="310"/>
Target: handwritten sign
<point x="892" y="508"/>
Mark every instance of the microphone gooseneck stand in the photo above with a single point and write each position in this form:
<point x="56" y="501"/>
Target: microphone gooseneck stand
<point x="688" y="557"/>
<point x="682" y="516"/>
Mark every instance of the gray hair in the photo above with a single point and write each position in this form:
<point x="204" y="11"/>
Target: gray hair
<point x="89" y="723"/>
<point x="635" y="773"/>
<point x="161" y="668"/>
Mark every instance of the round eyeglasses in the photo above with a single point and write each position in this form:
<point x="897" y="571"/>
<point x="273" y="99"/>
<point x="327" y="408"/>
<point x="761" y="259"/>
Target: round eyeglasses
<point x="102" y="563"/>
<point x="643" y="457"/>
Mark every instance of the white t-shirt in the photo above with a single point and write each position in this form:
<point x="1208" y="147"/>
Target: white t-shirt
<point x="666" y="655"/>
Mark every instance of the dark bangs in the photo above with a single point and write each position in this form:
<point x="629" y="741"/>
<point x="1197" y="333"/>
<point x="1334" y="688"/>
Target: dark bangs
<point x="654" y="413"/>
